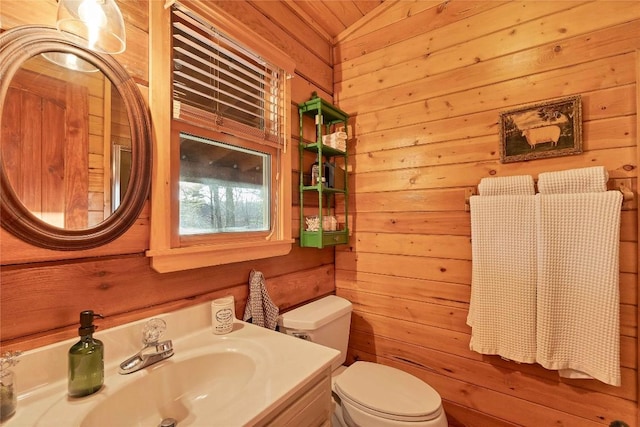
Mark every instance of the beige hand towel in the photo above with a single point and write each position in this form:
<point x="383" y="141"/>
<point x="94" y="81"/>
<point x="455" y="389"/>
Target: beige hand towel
<point x="260" y="309"/>
<point x="578" y="322"/>
<point x="502" y="311"/>
<point x="583" y="180"/>
<point x="507" y="185"/>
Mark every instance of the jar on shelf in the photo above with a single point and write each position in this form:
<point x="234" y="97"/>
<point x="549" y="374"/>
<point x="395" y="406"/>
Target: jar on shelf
<point x="312" y="223"/>
<point x="329" y="223"/>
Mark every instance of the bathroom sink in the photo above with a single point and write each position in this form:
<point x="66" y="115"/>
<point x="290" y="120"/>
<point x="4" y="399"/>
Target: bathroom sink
<point x="198" y="384"/>
<point x="238" y="379"/>
<point x="189" y="391"/>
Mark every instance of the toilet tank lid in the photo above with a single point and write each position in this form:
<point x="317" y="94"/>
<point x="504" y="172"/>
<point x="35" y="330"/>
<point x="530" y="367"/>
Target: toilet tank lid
<point x="315" y="314"/>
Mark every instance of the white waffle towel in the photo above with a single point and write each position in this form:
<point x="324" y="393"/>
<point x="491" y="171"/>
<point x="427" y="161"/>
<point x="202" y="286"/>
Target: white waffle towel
<point x="502" y="311"/>
<point x="260" y="309"/>
<point x="504" y="185"/>
<point x="578" y="318"/>
<point x="583" y="180"/>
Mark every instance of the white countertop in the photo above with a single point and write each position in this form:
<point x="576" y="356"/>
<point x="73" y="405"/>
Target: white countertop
<point x="274" y="367"/>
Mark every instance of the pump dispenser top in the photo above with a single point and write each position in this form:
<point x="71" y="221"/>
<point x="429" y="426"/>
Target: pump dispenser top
<point x="86" y="322"/>
<point x="86" y="359"/>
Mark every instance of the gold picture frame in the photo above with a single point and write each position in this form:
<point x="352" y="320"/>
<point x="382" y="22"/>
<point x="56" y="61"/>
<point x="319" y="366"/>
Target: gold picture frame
<point x="546" y="129"/>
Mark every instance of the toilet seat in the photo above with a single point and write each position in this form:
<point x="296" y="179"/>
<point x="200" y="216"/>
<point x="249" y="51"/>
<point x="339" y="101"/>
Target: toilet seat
<point x="388" y="393"/>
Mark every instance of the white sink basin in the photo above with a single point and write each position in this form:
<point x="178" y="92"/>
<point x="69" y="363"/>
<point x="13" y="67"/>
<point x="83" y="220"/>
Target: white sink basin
<point x="222" y="380"/>
<point x="191" y="391"/>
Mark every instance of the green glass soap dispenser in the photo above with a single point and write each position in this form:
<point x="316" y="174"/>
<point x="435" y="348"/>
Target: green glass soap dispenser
<point x="86" y="359"/>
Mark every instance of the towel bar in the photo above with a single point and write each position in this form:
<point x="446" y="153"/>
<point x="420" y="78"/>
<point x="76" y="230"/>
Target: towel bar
<point x="627" y="193"/>
<point x="628" y="196"/>
<point x="468" y="192"/>
<point x="622" y="184"/>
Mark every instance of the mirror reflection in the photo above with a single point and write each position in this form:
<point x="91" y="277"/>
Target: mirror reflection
<point x="66" y="144"/>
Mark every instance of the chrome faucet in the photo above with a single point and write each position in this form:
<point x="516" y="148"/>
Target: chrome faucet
<point x="153" y="351"/>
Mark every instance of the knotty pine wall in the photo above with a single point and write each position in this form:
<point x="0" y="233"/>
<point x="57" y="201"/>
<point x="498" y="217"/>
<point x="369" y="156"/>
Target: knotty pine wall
<point x="42" y="292"/>
<point x="426" y="83"/>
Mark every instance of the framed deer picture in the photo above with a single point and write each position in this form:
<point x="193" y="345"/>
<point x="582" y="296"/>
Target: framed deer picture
<point x="547" y="129"/>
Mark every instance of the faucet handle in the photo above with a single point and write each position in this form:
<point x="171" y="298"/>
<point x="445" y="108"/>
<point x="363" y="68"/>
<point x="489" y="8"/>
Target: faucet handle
<point x="152" y="331"/>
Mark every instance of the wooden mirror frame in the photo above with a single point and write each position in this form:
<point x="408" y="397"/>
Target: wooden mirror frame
<point x="19" y="44"/>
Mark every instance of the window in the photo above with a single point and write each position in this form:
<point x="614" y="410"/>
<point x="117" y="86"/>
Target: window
<point x="229" y="179"/>
<point x="223" y="188"/>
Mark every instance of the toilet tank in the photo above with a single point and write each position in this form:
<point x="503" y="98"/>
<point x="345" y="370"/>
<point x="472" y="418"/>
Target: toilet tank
<point x="325" y="321"/>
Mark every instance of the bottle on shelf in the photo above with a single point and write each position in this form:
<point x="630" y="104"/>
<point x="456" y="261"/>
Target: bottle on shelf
<point x="316" y="177"/>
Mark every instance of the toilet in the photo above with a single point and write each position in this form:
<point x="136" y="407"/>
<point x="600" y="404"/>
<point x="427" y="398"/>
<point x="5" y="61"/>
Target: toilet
<point x="365" y="394"/>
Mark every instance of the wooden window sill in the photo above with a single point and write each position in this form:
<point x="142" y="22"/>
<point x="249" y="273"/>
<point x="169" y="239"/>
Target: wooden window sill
<point x="177" y="259"/>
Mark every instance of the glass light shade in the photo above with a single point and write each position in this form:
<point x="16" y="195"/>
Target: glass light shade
<point x="70" y="61"/>
<point x="98" y="22"/>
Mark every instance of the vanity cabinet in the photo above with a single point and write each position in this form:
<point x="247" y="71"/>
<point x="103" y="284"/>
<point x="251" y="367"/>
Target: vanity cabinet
<point x="327" y="182"/>
<point x="309" y="407"/>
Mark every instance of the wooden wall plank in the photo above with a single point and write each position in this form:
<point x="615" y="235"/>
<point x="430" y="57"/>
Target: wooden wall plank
<point x="472" y="31"/>
<point x="445" y="223"/>
<point x="393" y="10"/>
<point x="448" y="341"/>
<point x="324" y="15"/>
<point x="417" y="244"/>
<point x="443" y="293"/>
<point x="426" y="109"/>
<point x="297" y="28"/>
<point x="449" y="199"/>
<point x="598" y="134"/>
<point x="553" y="55"/>
<point x="117" y="285"/>
<point x="534" y="22"/>
<point x="403" y="21"/>
<point x="413" y="310"/>
<point x="13" y="13"/>
<point x="306" y="288"/>
<point x="366" y="6"/>
<point x="614" y="71"/>
<point x="438" y="269"/>
<point x="620" y="163"/>
<point x="313" y="68"/>
<point x="480" y="128"/>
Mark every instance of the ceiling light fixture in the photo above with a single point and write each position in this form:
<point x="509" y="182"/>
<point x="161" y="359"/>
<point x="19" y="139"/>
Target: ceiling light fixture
<point x="98" y="22"/>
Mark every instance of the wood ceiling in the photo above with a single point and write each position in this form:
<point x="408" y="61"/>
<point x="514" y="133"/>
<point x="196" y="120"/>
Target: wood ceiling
<point x="330" y="17"/>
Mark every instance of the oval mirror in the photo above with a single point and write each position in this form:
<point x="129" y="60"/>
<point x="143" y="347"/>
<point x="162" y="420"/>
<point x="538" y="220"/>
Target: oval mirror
<point x="75" y="142"/>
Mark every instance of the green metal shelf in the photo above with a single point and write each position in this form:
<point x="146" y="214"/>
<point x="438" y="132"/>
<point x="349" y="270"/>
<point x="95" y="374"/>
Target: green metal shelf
<point x="328" y="111"/>
<point x="325" y="116"/>
<point x="326" y="150"/>
<point x="324" y="189"/>
<point x="320" y="239"/>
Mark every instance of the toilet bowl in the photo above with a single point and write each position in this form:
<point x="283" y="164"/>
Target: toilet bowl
<point x="365" y="394"/>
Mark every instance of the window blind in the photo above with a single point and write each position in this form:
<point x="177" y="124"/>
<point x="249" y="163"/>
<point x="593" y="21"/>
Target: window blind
<point x="221" y="82"/>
